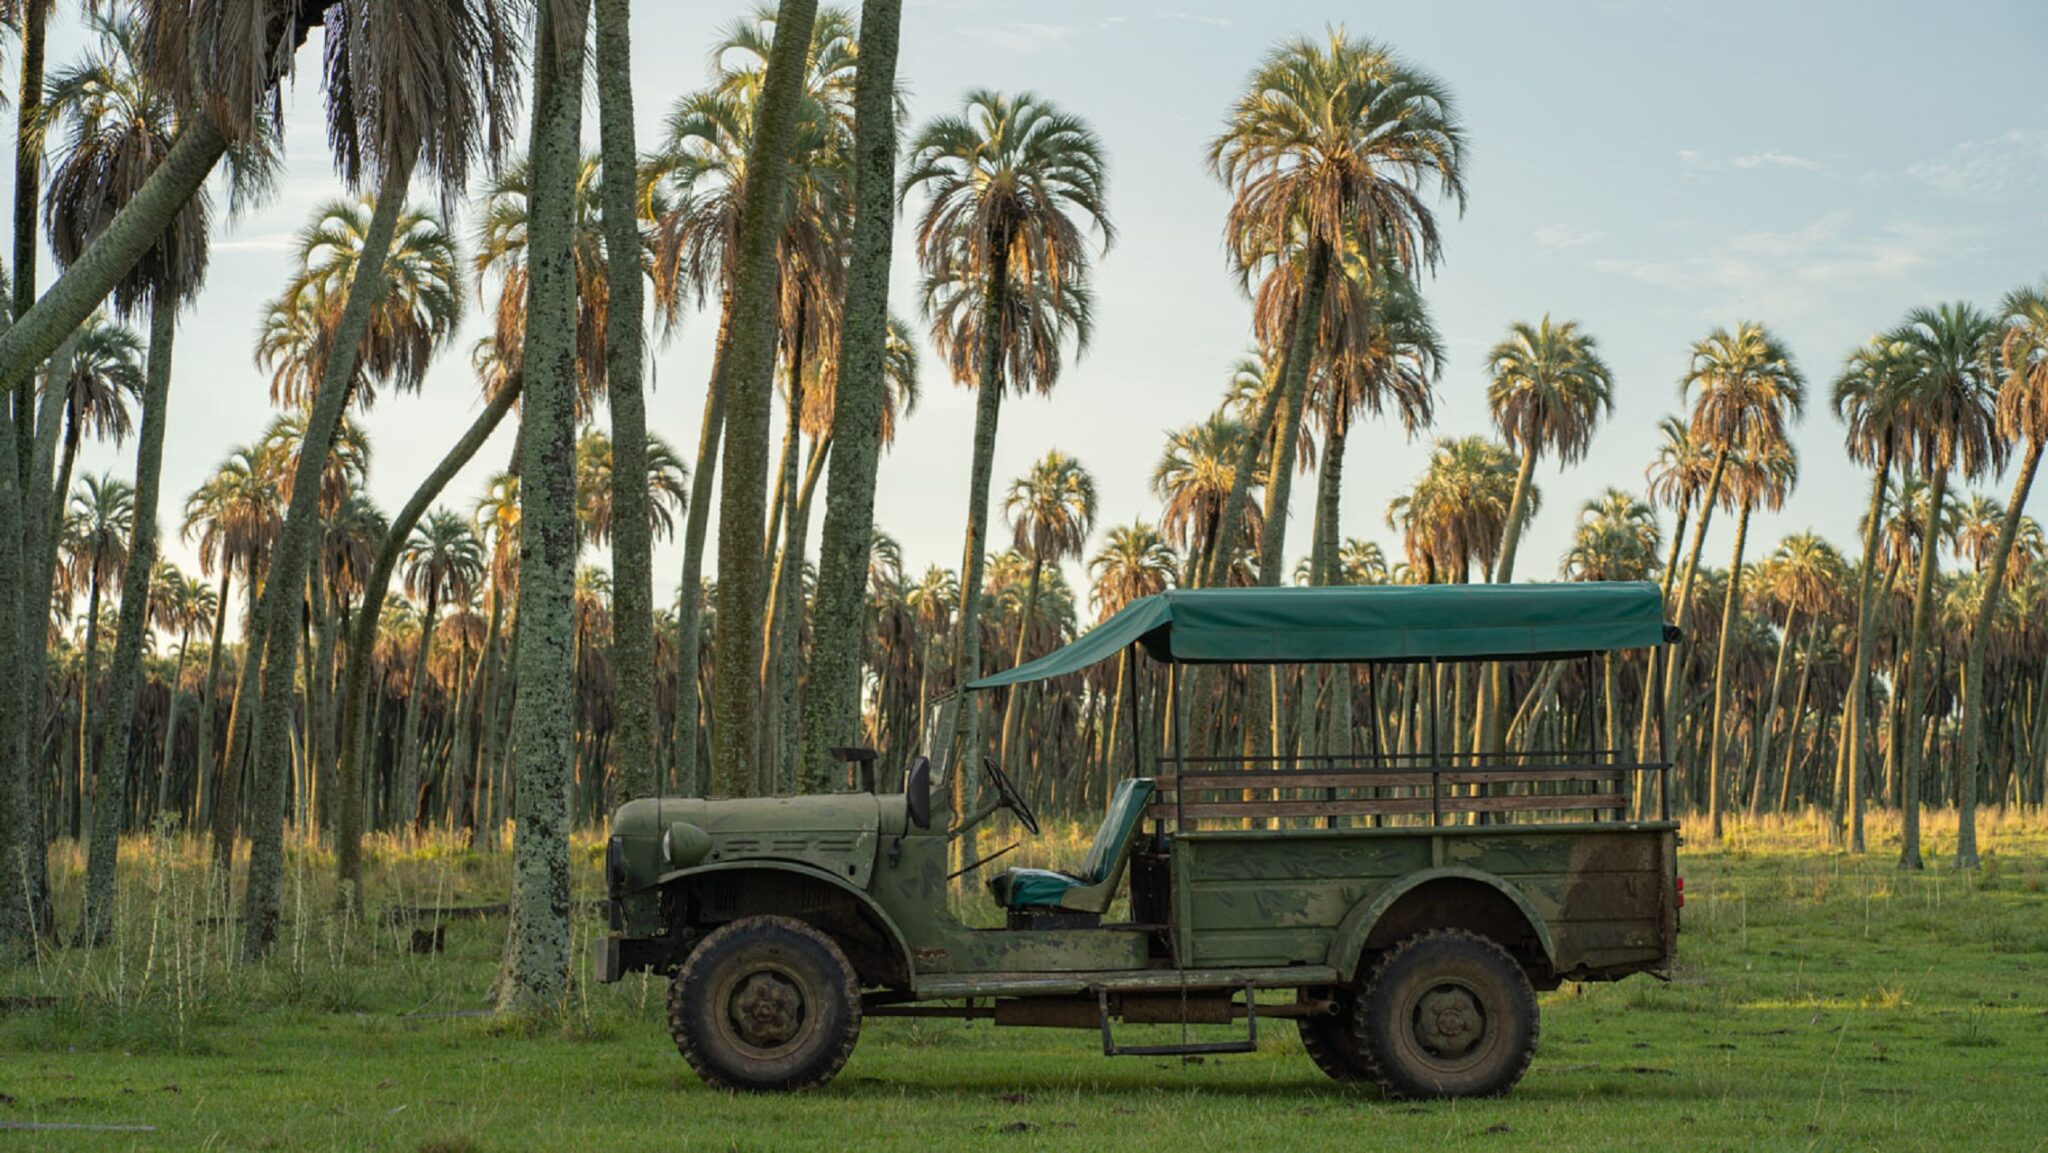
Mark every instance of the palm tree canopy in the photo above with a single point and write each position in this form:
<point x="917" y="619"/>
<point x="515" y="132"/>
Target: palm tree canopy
<point x="1617" y="538"/>
<point x="1745" y="387"/>
<point x="2023" y="353"/>
<point x="443" y="560"/>
<point x="1948" y="413"/>
<point x="107" y="371"/>
<point x="1004" y="181"/>
<point x="1334" y="142"/>
<point x="120" y="126"/>
<point x="1052" y="508"/>
<point x="1548" y="388"/>
<point x="235" y="513"/>
<point x="1134" y="562"/>
<point x="1682" y="467"/>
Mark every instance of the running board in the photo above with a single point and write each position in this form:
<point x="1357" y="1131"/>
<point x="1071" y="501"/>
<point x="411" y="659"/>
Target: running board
<point x="1249" y="1045"/>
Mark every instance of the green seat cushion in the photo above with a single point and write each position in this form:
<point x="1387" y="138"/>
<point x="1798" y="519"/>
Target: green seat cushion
<point x="1023" y="888"/>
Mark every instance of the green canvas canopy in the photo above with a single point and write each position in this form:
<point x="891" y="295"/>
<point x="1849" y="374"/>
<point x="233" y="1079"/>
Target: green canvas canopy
<point x="1365" y="623"/>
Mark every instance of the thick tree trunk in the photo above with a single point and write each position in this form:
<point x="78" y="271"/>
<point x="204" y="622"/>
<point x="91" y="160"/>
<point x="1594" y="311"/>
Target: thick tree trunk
<point x="632" y="528"/>
<point x="750" y="372"/>
<point x="363" y="641"/>
<point x="831" y="713"/>
<point x="21" y="840"/>
<point x="1858" y="719"/>
<point x="1975" y="701"/>
<point x="689" y="590"/>
<point x="28" y="184"/>
<point x="113" y="254"/>
<point x="785" y="587"/>
<point x="544" y="717"/>
<point x="110" y="741"/>
<point x="284" y="585"/>
<point x="1914" y="695"/>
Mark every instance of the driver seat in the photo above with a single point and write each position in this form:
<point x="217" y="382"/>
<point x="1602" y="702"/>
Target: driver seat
<point x="1090" y="889"/>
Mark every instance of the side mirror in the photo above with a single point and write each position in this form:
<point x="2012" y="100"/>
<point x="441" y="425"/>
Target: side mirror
<point x="917" y="792"/>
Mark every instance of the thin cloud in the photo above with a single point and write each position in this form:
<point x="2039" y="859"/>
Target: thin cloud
<point x="2011" y="162"/>
<point x="1558" y="237"/>
<point x="1197" y="18"/>
<point x="1774" y="159"/>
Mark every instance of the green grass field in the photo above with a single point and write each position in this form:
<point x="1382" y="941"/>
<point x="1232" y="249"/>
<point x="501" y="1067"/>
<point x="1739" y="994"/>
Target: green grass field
<point x="1822" y="1002"/>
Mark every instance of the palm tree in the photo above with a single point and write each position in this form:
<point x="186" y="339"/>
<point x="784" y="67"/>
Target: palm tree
<point x="1617" y="539"/>
<point x="1051" y="510"/>
<point x="1013" y="185"/>
<point x="1363" y="562"/>
<point x="1746" y="391"/>
<point x="1193" y="478"/>
<point x="2022" y="419"/>
<point x="121" y="125"/>
<point x="108" y="369"/>
<point x="180" y="603"/>
<point x="443" y="563"/>
<point x="1453" y="516"/>
<point x="424" y="88"/>
<point x="1547" y="389"/>
<point x="665" y="487"/>
<point x="1762" y="474"/>
<point x="1800" y="580"/>
<point x="98" y="527"/>
<point x="1866" y="396"/>
<point x="1949" y="423"/>
<point x="1332" y="146"/>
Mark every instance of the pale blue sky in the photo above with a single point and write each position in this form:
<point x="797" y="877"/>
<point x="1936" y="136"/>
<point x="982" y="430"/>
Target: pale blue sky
<point x="1649" y="169"/>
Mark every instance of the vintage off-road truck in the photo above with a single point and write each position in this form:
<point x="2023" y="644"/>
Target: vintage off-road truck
<point x="1411" y="902"/>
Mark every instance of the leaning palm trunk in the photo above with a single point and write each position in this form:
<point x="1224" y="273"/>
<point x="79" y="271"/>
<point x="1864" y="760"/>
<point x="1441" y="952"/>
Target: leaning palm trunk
<point x="96" y="924"/>
<point x="785" y="596"/>
<point x="113" y="254"/>
<point x="536" y="961"/>
<point x="1858" y="719"/>
<point x="363" y="641"/>
<point x="632" y="530"/>
<point x="411" y="811"/>
<point x="1913" y="704"/>
<point x="1975" y="702"/>
<point x="285" y="583"/>
<point x="1717" y="784"/>
<point x="242" y="720"/>
<point x="832" y="697"/>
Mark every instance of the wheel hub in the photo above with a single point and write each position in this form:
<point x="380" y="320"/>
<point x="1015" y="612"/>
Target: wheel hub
<point x="767" y="1010"/>
<point x="1449" y="1021"/>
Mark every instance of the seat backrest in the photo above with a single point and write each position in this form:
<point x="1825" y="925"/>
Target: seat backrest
<point x="1113" y="839"/>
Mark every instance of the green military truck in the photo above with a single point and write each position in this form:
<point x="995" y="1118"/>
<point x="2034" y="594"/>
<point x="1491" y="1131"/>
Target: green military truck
<point x="1411" y="903"/>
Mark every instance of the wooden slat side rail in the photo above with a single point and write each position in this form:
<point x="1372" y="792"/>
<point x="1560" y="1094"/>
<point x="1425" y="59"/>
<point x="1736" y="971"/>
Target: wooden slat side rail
<point x="1270" y="782"/>
<point x="1194" y="811"/>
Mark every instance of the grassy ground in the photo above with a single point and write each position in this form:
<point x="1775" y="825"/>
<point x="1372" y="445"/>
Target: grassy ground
<point x="1822" y="1001"/>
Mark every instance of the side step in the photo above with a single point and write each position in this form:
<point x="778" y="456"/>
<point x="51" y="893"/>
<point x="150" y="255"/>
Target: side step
<point x="1249" y="1045"/>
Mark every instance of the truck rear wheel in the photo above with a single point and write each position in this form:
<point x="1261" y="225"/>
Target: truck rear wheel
<point x="1333" y="1041"/>
<point x="765" y="1004"/>
<point x="1447" y="1013"/>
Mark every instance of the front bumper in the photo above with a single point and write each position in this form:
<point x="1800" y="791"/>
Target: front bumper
<point x="614" y="955"/>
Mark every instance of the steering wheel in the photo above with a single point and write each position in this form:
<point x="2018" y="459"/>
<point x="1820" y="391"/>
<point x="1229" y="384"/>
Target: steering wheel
<point x="1007" y="795"/>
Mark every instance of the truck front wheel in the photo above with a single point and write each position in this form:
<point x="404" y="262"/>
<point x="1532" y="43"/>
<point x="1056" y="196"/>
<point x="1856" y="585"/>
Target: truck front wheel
<point x="1447" y="1013"/>
<point x="765" y="1004"/>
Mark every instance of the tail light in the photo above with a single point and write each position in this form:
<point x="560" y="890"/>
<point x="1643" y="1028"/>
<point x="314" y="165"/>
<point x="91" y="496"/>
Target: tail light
<point x="1681" y="892"/>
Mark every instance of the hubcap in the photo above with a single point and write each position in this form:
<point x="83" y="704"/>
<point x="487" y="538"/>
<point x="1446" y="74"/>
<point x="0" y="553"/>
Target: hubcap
<point x="767" y="1010"/>
<point x="1449" y="1021"/>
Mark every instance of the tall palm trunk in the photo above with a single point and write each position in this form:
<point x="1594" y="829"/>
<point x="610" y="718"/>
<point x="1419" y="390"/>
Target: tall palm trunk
<point x="1766" y="722"/>
<point x="28" y="178"/>
<point x="1013" y="707"/>
<point x="96" y="923"/>
<point x="204" y="765"/>
<point x="242" y="722"/>
<point x="832" y="696"/>
<point x="1913" y="709"/>
<point x="170" y="752"/>
<point x="537" y="947"/>
<point x="1975" y="701"/>
<point x="690" y="606"/>
<point x="271" y="759"/>
<point x="1293" y="386"/>
<point x="750" y="385"/>
<point x="21" y="837"/>
<point x="362" y="643"/>
<point x="1675" y="654"/>
<point x="988" y="400"/>
<point x="785" y="587"/>
<point x="412" y="810"/>
<point x="81" y="810"/>
<point x="1858" y="719"/>
<point x="632" y="529"/>
<point x="1493" y="688"/>
<point x="1717" y="784"/>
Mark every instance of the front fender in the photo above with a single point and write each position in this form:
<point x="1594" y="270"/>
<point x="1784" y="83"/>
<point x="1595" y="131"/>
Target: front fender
<point x="1348" y="944"/>
<point x="859" y="896"/>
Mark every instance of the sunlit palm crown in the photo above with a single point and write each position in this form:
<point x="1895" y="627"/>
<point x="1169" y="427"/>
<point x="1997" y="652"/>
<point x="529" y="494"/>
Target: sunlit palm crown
<point x="1132" y="563"/>
<point x="1548" y="388"/>
<point x="1745" y="388"/>
<point x="1947" y="415"/>
<point x="106" y="373"/>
